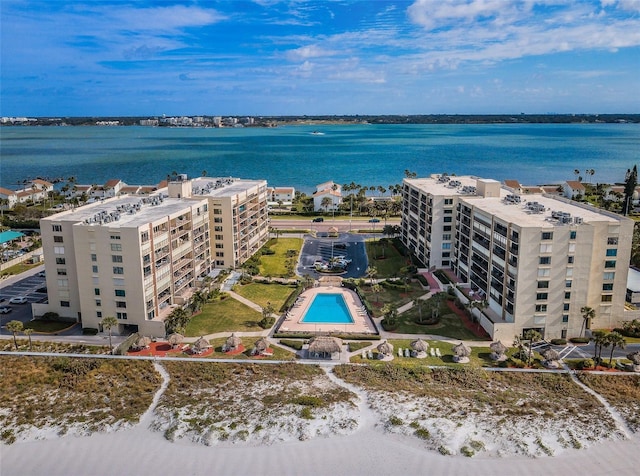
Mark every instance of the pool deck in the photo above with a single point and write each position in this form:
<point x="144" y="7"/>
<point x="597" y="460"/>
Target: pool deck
<point x="361" y="323"/>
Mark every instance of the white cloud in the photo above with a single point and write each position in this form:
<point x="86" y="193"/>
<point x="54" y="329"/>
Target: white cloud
<point x="310" y="51"/>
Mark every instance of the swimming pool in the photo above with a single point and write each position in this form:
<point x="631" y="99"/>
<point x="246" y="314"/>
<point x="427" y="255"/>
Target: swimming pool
<point x="327" y="309"/>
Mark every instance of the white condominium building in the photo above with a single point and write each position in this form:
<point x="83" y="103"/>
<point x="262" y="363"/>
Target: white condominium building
<point x="138" y="257"/>
<point x="536" y="259"/>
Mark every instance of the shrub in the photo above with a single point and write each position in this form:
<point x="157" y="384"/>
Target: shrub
<point x="422" y="280"/>
<point x="308" y="401"/>
<point x="268" y="251"/>
<point x="558" y="341"/>
<point x="89" y="331"/>
<point x="395" y="421"/>
<point x="580" y="340"/>
<point x="389" y="326"/>
<point x="586" y="364"/>
<point x="294" y="344"/>
<point x="267" y="322"/>
<point x="50" y="316"/>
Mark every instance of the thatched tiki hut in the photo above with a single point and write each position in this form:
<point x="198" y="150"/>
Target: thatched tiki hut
<point x="233" y="343"/>
<point x="551" y="358"/>
<point x="175" y="339"/>
<point x="141" y="342"/>
<point x="260" y="347"/>
<point x="323" y="347"/>
<point x="634" y="357"/>
<point x="498" y="350"/>
<point x="201" y="345"/>
<point x="461" y="353"/>
<point x="385" y="349"/>
<point x="419" y="346"/>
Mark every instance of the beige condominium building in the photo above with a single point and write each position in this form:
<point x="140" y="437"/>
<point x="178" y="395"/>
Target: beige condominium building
<point x="535" y="259"/>
<point x="138" y="257"/>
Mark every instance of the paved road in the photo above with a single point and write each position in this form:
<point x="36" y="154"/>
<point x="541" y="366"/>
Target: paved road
<point x="341" y="224"/>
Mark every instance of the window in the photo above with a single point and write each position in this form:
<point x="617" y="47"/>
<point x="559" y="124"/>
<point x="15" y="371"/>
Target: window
<point x="120" y="292"/>
<point x="62" y="271"/>
<point x="567" y="295"/>
<point x="121" y="315"/>
<point x="219" y="245"/>
<point x="446" y="246"/>
<point x="609" y="264"/>
<point x="570" y="259"/>
<point x="94" y="257"/>
<point x="541" y="308"/>
<point x="567" y="283"/>
<point x="144" y="236"/>
<point x="609" y="276"/>
<point x="572" y="248"/>
<point x="98" y="302"/>
<point x="545" y="260"/>
<point x="612" y="240"/>
<point x="219" y="237"/>
<point x="612" y="252"/>
<point x="56" y="227"/>
<point x="542" y="296"/>
<point x="96" y="291"/>
<point x="60" y="261"/>
<point x="565" y="306"/>
<point x="448" y="219"/>
<point x="59" y="250"/>
<point x="115" y="237"/>
<point x="569" y="272"/>
<point x="448" y="201"/>
<point x="220" y="254"/>
<point x="217" y="228"/>
<point x="99" y="314"/>
<point x="448" y="212"/>
<point x="547" y="235"/>
<point x="217" y="220"/>
<point x="116" y="258"/>
<point x="64" y="304"/>
<point x="116" y="247"/>
<point x="543" y="284"/>
<point x="446" y="237"/>
<point x="118" y="270"/>
<point x="572" y="235"/>
<point x="446" y="254"/>
<point x="607" y="297"/>
<point x="217" y="211"/>
<point x="94" y="269"/>
<point x="121" y="304"/>
<point x="544" y="272"/>
<point x="546" y="248"/>
<point x="63" y="283"/>
<point x="565" y="318"/>
<point x="607" y="287"/>
<point x="57" y="239"/>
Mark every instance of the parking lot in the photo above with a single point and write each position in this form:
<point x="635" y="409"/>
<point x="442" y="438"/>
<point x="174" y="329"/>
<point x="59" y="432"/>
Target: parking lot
<point x="30" y="285"/>
<point x="323" y="248"/>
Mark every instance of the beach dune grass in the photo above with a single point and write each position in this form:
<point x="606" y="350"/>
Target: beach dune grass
<point x="223" y="314"/>
<point x="262" y="294"/>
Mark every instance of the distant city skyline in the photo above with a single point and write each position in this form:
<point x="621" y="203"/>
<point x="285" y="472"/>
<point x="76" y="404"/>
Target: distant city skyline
<point x="270" y="57"/>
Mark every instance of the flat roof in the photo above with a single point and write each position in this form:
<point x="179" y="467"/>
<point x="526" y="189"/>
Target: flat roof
<point x="132" y="210"/>
<point x="9" y="235"/>
<point x="223" y="187"/>
<point x="633" y="280"/>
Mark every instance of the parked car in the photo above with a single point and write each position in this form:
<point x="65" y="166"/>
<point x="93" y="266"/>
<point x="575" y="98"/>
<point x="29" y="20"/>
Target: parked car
<point x="42" y="274"/>
<point x="5" y="310"/>
<point x="317" y="219"/>
<point x="18" y="300"/>
<point x="374" y="220"/>
<point x="340" y="246"/>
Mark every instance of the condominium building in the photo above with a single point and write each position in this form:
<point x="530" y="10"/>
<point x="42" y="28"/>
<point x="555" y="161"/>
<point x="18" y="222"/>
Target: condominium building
<point x="138" y="257"/>
<point x="535" y="259"/>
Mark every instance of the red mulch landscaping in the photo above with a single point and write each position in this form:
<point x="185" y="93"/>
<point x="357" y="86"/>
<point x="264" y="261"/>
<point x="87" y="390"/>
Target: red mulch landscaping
<point x="473" y="327"/>
<point x="158" y="349"/>
<point x="239" y="350"/>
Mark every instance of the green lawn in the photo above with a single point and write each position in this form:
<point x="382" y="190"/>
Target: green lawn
<point x="392" y="296"/>
<point x="450" y="324"/>
<point x="274" y="265"/>
<point x="48" y="326"/>
<point x="223" y="315"/>
<point x="385" y="258"/>
<point x="261" y="294"/>
<point x="20" y="268"/>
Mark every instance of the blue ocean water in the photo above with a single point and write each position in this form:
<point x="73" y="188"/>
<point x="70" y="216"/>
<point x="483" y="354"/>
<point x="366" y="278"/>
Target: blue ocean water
<point x="292" y="155"/>
<point x="327" y="309"/>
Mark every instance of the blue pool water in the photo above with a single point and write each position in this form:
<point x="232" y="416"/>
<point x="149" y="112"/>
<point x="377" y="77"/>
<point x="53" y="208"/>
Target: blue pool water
<point x="327" y="309"/>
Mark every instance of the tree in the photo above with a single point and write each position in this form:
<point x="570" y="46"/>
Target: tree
<point x="325" y="203"/>
<point x="630" y="184"/>
<point x="371" y="273"/>
<point x="532" y="337"/>
<point x="28" y="331"/>
<point x="14" y="327"/>
<point x="376" y="288"/>
<point x="390" y="315"/>
<point x="409" y="174"/>
<point x="198" y="299"/>
<point x="418" y="303"/>
<point x="587" y="315"/>
<point x="177" y="318"/>
<point x="107" y="323"/>
<point x="599" y="339"/>
<point x="615" y="339"/>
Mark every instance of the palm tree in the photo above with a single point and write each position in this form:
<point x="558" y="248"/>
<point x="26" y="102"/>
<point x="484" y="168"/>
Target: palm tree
<point x="376" y="288"/>
<point x="577" y="173"/>
<point x="325" y="203"/>
<point x="615" y="339"/>
<point x="418" y="303"/>
<point x="371" y="273"/>
<point x="268" y="310"/>
<point x="107" y="323"/>
<point x="599" y="339"/>
<point x="587" y="315"/>
<point x="14" y="327"/>
<point x="28" y="331"/>
<point x="532" y="336"/>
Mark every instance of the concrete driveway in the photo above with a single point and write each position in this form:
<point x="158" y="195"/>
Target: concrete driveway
<point x="323" y="248"/>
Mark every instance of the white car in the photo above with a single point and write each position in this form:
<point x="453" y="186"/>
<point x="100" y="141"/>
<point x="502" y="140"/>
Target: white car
<point x="5" y="310"/>
<point x="18" y="300"/>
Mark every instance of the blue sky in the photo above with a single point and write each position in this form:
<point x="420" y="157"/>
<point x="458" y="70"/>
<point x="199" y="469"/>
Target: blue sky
<point x="270" y="57"/>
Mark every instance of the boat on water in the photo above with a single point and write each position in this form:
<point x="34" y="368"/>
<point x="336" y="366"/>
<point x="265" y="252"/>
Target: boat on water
<point x="317" y="133"/>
